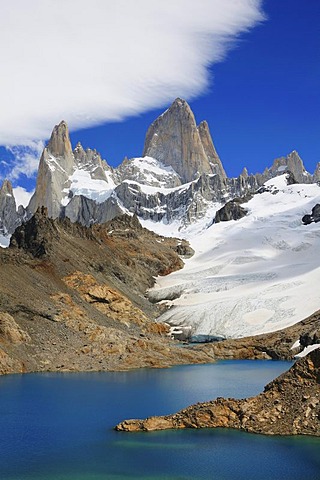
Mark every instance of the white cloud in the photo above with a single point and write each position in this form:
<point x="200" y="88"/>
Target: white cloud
<point x="26" y="159"/>
<point x="22" y="196"/>
<point x="92" y="61"/>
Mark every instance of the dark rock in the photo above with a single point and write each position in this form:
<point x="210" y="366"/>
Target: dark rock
<point x="36" y="235"/>
<point x="230" y="211"/>
<point x="314" y="217"/>
<point x="9" y="217"/>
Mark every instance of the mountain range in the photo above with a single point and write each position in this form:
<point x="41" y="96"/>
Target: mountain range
<point x="177" y="179"/>
<point x="252" y="274"/>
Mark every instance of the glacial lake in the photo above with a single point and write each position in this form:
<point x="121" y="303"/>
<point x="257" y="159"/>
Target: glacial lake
<point x="60" y="427"/>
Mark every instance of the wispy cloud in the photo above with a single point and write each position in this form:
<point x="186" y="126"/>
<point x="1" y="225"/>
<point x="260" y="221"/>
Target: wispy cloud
<point x="93" y="61"/>
<point x="25" y="159"/>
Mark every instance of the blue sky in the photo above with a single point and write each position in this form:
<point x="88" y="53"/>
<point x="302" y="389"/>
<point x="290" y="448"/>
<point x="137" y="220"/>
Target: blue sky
<point x="260" y="97"/>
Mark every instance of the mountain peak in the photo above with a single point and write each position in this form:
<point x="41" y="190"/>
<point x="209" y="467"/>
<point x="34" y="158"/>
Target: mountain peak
<point x="59" y="144"/>
<point x="6" y="188"/>
<point x="174" y="139"/>
<point x="292" y="163"/>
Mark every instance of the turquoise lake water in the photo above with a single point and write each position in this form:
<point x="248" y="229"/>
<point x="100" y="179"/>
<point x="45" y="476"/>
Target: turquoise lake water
<point x="60" y="427"/>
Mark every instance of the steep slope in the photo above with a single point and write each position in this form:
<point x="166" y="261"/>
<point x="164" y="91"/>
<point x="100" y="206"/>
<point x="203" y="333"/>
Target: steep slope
<point x="72" y="298"/>
<point x="254" y="275"/>
<point x="289" y="405"/>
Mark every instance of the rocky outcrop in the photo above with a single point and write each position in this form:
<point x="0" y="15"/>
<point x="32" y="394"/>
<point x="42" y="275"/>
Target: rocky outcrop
<point x="314" y="217"/>
<point x="36" y="235"/>
<point x="291" y="163"/>
<point x="147" y="171"/>
<point x="230" y="211"/>
<point x="289" y="405"/>
<point x="174" y="139"/>
<point x="9" y="217"/>
<point x="10" y="330"/>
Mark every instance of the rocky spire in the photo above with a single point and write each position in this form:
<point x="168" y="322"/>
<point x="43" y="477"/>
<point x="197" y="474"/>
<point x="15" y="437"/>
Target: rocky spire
<point x="55" y="167"/>
<point x="292" y="163"/>
<point x="9" y="218"/>
<point x="210" y="150"/>
<point x="173" y="138"/>
<point x="59" y="144"/>
<point x="316" y="175"/>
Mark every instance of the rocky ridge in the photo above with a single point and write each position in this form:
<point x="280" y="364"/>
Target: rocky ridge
<point x="72" y="298"/>
<point x="289" y="405"/>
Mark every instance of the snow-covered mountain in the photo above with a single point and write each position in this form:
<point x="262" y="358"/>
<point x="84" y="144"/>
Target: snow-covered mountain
<point x="177" y="182"/>
<point x="256" y="274"/>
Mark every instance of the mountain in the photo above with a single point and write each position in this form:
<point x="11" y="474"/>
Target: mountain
<point x="175" y="140"/>
<point x="255" y="260"/>
<point x="179" y="179"/>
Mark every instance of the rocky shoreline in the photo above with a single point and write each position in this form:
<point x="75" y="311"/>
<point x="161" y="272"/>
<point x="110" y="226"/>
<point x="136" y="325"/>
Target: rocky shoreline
<point x="289" y="405"/>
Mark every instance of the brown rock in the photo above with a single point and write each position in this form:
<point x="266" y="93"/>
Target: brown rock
<point x="10" y="330"/>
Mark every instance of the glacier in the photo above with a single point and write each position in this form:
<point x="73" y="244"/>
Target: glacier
<point x="254" y="275"/>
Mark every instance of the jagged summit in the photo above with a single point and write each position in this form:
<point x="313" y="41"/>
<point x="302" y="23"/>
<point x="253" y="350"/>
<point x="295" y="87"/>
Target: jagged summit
<point x="179" y="179"/>
<point x="6" y="188"/>
<point x="292" y="163"/>
<point x="9" y="217"/>
<point x="174" y="139"/>
<point x="59" y="144"/>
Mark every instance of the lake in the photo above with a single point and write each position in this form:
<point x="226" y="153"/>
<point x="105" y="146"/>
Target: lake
<point x="60" y="427"/>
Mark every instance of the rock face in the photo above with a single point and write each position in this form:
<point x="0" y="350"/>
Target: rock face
<point x="174" y="139"/>
<point x="9" y="217"/>
<point x="210" y="150"/>
<point x="289" y="405"/>
<point x="56" y="166"/>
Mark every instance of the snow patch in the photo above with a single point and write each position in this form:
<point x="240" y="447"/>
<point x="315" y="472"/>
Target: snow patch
<point x="307" y="350"/>
<point x="95" y="189"/>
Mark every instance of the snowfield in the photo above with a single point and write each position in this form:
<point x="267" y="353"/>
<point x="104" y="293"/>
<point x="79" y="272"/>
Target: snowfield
<point x="249" y="276"/>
